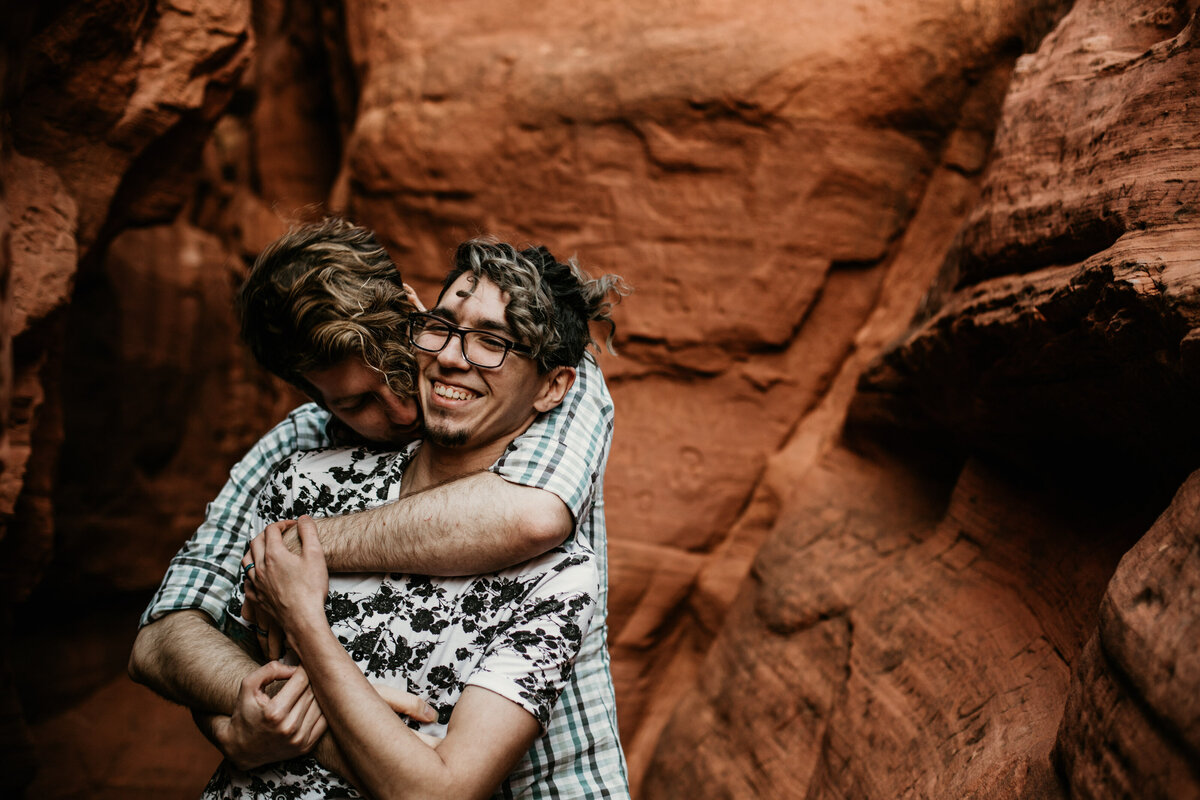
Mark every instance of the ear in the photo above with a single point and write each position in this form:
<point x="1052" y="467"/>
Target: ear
<point x="555" y="385"/>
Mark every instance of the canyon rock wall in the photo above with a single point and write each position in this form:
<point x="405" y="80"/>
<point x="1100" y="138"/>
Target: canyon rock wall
<point x="908" y="368"/>
<point x="935" y="630"/>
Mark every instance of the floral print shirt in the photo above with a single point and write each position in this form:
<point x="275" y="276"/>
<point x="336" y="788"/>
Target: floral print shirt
<point x="515" y="632"/>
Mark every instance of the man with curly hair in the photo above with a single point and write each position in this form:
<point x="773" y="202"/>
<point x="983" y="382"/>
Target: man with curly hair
<point x="332" y="334"/>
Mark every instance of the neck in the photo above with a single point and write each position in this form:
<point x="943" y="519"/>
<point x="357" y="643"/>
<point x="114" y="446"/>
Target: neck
<point x="434" y="464"/>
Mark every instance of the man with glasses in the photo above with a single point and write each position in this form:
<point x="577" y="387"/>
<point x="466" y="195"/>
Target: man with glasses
<point x="469" y="526"/>
<point x="481" y="348"/>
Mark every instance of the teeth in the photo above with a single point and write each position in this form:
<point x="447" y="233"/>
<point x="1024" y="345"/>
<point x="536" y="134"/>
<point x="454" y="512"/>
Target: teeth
<point x="450" y="393"/>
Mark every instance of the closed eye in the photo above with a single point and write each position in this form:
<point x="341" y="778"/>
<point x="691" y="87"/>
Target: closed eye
<point x="348" y="404"/>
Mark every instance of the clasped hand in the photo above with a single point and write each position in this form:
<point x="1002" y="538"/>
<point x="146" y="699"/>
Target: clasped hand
<point x="257" y="610"/>
<point x="286" y="584"/>
<point x="291" y="587"/>
<point x="264" y="729"/>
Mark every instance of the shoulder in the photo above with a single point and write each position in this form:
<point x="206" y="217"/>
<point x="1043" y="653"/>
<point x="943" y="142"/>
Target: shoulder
<point x="589" y="379"/>
<point x="304" y="428"/>
<point x="571" y="565"/>
<point x="309" y="417"/>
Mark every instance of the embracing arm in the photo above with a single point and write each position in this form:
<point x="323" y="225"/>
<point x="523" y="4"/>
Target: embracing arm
<point x="184" y="658"/>
<point x="525" y="505"/>
<point x="181" y="651"/>
<point x="486" y="735"/>
<point x="203" y="574"/>
<point x="476" y="524"/>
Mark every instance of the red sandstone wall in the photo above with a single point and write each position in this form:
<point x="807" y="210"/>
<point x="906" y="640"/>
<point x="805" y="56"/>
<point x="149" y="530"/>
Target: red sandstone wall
<point x="799" y="609"/>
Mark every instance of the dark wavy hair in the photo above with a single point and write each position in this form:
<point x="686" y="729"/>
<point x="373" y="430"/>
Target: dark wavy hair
<point x="550" y="302"/>
<point x="323" y="293"/>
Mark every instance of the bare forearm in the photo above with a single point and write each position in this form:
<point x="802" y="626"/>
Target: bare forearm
<point x="388" y="757"/>
<point x="375" y="745"/>
<point x="330" y="756"/>
<point x="187" y="660"/>
<point x="477" y="524"/>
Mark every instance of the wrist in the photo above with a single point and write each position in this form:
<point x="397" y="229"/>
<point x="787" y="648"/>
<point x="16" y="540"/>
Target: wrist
<point x="308" y="630"/>
<point x="225" y="736"/>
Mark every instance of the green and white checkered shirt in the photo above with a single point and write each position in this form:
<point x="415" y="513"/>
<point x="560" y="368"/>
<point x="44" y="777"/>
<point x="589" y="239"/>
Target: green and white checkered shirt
<point x="564" y="452"/>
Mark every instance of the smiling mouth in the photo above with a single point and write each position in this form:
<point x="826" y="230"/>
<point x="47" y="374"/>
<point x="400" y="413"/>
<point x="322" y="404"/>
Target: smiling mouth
<point x="450" y="392"/>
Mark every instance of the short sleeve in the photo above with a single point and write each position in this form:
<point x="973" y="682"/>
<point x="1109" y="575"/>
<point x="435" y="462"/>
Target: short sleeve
<point x="565" y="450"/>
<point x="203" y="574"/>
<point x="531" y="659"/>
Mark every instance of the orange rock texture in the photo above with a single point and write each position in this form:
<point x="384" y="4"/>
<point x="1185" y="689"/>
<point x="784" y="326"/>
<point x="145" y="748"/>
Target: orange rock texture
<point x="909" y="374"/>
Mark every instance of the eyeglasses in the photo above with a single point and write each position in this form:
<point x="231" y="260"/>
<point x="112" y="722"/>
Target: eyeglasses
<point x="482" y="349"/>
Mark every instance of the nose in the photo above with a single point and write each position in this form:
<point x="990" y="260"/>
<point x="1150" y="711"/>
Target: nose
<point x="399" y="410"/>
<point x="452" y="354"/>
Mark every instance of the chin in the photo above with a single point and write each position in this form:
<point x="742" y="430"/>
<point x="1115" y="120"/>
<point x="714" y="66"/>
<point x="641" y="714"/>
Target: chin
<point x="443" y="437"/>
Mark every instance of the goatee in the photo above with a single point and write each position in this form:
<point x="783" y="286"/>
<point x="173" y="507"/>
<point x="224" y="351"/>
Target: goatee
<point x="443" y="437"/>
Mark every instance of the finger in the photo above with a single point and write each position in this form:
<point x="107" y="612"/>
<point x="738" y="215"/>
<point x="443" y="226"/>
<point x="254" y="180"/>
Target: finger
<point x="254" y="613"/>
<point x="281" y="527"/>
<point x="261" y="635"/>
<point x="295" y="687"/>
<point x="271" y="537"/>
<point x="247" y="558"/>
<point x="275" y="639"/>
<point x="292" y="539"/>
<point x="257" y="552"/>
<point x="309" y="723"/>
<point x="273" y="533"/>
<point x="293" y="722"/>
<point x="408" y="704"/>
<point x="264" y="621"/>
<point x="319" y="725"/>
<point x="310" y="543"/>
<point x="267" y="673"/>
<point x="413" y="298"/>
<point x="247" y="569"/>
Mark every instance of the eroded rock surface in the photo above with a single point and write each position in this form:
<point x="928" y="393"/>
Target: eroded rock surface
<point x="1132" y="721"/>
<point x="1055" y="344"/>
<point x="1061" y="324"/>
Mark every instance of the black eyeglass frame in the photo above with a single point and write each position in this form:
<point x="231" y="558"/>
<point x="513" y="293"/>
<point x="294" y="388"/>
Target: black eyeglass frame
<point x="461" y="333"/>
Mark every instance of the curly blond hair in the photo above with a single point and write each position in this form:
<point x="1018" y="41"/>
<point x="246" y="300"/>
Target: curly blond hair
<point x="323" y="293"/>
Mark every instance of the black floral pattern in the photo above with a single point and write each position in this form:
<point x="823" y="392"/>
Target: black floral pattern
<point x="515" y="632"/>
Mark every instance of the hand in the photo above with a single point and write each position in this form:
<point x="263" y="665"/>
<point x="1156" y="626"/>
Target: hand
<point x="412" y="296"/>
<point x="265" y="729"/>
<point x="290" y="588"/>
<point x="267" y="630"/>
<point x="330" y="755"/>
<point x="408" y="704"/>
<point x="269" y="633"/>
<point x="287" y="527"/>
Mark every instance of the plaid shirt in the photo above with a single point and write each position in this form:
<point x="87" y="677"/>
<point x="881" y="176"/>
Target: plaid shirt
<point x="563" y="452"/>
